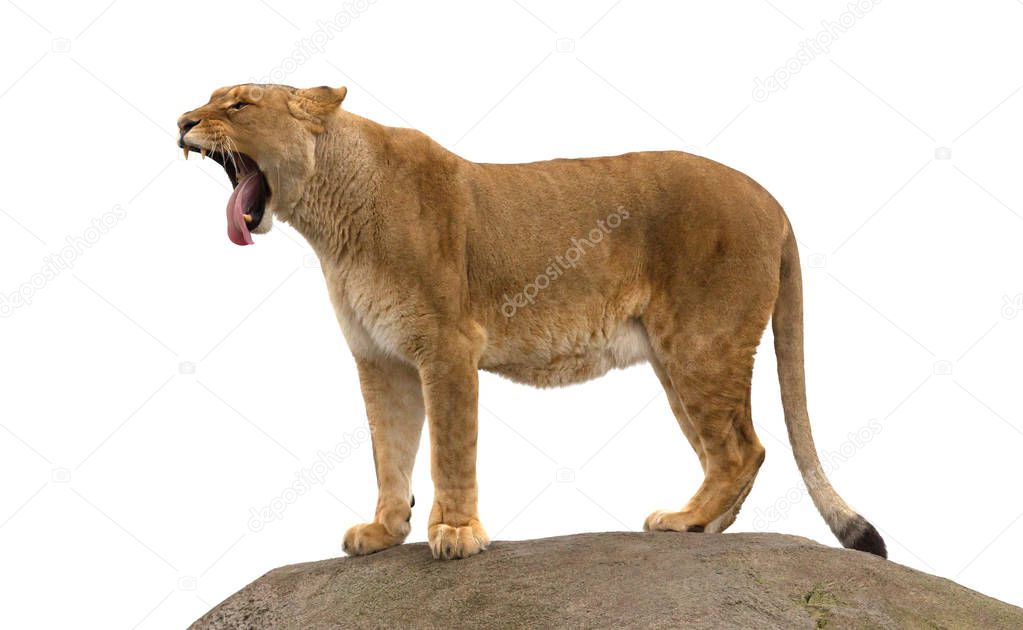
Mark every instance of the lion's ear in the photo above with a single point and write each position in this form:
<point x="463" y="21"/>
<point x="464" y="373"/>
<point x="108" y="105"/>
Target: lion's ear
<point x="313" y="104"/>
<point x="324" y="96"/>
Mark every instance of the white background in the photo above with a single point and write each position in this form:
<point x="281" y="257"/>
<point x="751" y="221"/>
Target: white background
<point x="168" y="382"/>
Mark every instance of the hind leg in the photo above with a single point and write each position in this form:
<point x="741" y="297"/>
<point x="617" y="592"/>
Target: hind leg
<point x="722" y="522"/>
<point x="680" y="413"/>
<point x="710" y="371"/>
<point x="689" y="430"/>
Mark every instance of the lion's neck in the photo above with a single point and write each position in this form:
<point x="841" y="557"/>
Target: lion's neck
<point x="339" y="197"/>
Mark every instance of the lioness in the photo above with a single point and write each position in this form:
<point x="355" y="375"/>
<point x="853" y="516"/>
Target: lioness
<point x="548" y="273"/>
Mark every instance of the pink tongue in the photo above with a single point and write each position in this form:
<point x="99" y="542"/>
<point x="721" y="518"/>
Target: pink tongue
<point x="242" y="197"/>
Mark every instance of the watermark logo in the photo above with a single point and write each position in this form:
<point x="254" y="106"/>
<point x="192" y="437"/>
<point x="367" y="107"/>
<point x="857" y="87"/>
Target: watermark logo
<point x="316" y="42"/>
<point x="564" y="45"/>
<point x="559" y="265"/>
<point x="1012" y="305"/>
<point x="57" y="262"/>
<point x="831" y="461"/>
<point x="306" y="479"/>
<point x="811" y="49"/>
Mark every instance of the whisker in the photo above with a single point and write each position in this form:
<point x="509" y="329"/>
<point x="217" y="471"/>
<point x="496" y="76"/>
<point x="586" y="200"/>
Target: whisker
<point x="229" y="150"/>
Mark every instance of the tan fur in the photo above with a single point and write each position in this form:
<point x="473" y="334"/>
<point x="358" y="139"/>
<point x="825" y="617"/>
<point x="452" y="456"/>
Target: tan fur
<point x="422" y="251"/>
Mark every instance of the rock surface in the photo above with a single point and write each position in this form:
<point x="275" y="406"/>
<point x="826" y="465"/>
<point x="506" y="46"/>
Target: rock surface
<point x="659" y="580"/>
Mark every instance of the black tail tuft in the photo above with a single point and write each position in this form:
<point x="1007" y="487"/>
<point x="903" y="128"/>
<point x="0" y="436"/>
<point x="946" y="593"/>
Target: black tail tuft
<point x="861" y="535"/>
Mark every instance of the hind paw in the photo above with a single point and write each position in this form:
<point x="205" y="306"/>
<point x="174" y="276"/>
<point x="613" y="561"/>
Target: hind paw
<point x="666" y="521"/>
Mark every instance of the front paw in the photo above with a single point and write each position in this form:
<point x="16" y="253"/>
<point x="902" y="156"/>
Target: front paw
<point x="449" y="542"/>
<point x="371" y="537"/>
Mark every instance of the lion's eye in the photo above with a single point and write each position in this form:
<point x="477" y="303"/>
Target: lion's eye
<point x="239" y="105"/>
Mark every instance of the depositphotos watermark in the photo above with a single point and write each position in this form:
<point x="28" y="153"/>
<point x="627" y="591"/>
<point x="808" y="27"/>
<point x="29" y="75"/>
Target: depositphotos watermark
<point x="60" y="261"/>
<point x="558" y="265"/>
<point x="316" y="43"/>
<point x="811" y="48"/>
<point x="306" y="479"/>
<point x="831" y="461"/>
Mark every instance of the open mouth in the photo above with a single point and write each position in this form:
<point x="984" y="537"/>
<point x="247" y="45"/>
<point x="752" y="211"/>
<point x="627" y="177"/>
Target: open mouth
<point x="247" y="204"/>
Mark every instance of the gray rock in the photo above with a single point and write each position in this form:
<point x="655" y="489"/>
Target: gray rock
<point x="613" y="580"/>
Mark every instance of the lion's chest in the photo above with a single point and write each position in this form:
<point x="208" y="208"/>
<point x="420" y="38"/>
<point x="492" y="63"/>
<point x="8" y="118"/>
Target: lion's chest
<point x="369" y="315"/>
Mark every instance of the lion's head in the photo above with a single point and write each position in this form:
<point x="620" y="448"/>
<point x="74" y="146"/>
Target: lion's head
<point x="265" y="137"/>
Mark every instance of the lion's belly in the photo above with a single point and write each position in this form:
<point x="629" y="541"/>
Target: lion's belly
<point x="550" y="362"/>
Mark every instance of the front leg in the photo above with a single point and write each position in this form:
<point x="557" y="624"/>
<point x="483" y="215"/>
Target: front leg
<point x="394" y="405"/>
<point x="450" y="385"/>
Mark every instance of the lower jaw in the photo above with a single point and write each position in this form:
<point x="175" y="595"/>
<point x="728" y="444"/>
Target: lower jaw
<point x="265" y="223"/>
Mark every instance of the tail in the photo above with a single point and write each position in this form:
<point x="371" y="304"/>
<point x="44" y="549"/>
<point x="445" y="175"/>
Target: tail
<point x="849" y="527"/>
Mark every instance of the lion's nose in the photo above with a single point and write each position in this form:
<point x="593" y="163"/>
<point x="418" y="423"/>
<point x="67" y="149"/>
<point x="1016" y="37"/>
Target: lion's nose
<point x="186" y="124"/>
